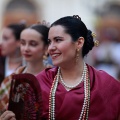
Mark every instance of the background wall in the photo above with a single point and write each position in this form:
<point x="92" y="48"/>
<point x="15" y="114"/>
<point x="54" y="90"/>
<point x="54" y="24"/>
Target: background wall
<point x="50" y="10"/>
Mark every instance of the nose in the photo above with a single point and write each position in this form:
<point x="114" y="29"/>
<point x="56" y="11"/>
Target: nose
<point x="26" y="48"/>
<point x="52" y="47"/>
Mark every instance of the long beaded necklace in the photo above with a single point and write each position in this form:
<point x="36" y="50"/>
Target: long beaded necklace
<point x="85" y="107"/>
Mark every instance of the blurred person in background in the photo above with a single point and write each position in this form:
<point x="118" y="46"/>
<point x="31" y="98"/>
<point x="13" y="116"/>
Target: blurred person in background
<point x="33" y="46"/>
<point x="0" y="49"/>
<point x="107" y="56"/>
<point x="11" y="57"/>
<point x="1" y="66"/>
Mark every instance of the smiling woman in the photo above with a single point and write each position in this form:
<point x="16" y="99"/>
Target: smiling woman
<point x="73" y="84"/>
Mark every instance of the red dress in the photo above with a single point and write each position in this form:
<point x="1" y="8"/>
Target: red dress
<point x="104" y="97"/>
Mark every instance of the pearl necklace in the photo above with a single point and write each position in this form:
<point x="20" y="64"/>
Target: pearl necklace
<point x="86" y="103"/>
<point x="73" y="86"/>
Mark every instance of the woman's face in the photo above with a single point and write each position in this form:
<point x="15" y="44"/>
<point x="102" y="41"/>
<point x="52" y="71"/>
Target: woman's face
<point x="32" y="45"/>
<point x="61" y="48"/>
<point x="9" y="43"/>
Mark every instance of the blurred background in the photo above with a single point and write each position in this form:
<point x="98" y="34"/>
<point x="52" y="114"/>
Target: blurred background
<point x="102" y="17"/>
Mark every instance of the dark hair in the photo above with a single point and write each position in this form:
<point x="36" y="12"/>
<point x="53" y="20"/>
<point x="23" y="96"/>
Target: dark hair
<point x="17" y="29"/>
<point x="76" y="28"/>
<point x="43" y="30"/>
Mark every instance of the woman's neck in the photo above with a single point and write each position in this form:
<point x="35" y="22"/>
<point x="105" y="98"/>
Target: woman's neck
<point x="73" y="72"/>
<point x="13" y="62"/>
<point x="35" y="68"/>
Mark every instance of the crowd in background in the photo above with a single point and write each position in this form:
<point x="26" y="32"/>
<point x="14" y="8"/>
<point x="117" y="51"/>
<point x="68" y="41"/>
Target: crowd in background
<point x="106" y="56"/>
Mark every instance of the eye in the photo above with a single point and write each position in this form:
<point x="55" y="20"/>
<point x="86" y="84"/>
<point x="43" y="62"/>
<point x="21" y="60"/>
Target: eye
<point x="22" y="42"/>
<point x="58" y="40"/>
<point x="33" y="43"/>
<point x="49" y="41"/>
<point x="5" y="38"/>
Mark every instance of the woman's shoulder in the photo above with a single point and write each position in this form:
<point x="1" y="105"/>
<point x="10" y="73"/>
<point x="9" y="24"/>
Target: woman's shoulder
<point x="47" y="73"/>
<point x="103" y="80"/>
<point x="46" y="77"/>
<point x="99" y="73"/>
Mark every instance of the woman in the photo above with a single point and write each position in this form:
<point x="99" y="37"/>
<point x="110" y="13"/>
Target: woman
<point x="74" y="90"/>
<point x="10" y="49"/>
<point x="33" y="47"/>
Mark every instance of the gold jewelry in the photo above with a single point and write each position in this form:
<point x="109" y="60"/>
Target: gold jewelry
<point x="86" y="103"/>
<point x="77" y="55"/>
<point x="94" y="35"/>
<point x="96" y="42"/>
<point x="45" y="56"/>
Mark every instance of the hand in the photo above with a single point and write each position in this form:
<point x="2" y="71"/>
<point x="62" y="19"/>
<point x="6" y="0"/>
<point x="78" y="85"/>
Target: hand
<point x="8" y="115"/>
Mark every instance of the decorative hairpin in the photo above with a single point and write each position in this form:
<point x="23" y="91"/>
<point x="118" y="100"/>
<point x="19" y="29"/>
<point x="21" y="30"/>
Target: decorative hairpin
<point x="44" y="23"/>
<point x="96" y="42"/>
<point x="94" y="35"/>
<point x="77" y="16"/>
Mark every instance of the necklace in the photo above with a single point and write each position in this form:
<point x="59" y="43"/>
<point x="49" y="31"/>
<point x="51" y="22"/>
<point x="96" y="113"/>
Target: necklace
<point x="85" y="107"/>
<point x="73" y="86"/>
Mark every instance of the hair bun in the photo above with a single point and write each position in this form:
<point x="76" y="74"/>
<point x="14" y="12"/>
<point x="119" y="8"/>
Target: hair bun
<point x="89" y="43"/>
<point x="90" y="40"/>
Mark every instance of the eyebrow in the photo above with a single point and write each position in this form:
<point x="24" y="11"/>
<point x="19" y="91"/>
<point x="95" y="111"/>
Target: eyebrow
<point x="29" y="40"/>
<point x="57" y="37"/>
<point x="22" y="39"/>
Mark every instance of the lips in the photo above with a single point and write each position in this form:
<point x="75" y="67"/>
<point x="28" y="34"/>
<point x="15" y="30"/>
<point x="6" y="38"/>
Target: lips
<point x="27" y="55"/>
<point x="55" y="55"/>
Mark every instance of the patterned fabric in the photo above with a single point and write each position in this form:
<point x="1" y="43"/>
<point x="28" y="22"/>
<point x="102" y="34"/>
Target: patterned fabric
<point x="5" y="89"/>
<point x="25" y="97"/>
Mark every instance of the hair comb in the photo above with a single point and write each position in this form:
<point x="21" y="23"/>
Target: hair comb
<point x="77" y="16"/>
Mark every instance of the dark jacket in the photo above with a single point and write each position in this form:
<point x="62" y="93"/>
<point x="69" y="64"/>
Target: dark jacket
<point x="2" y="68"/>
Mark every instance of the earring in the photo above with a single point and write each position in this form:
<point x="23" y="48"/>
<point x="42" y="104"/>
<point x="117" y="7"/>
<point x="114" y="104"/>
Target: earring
<point x="77" y="55"/>
<point x="45" y="56"/>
